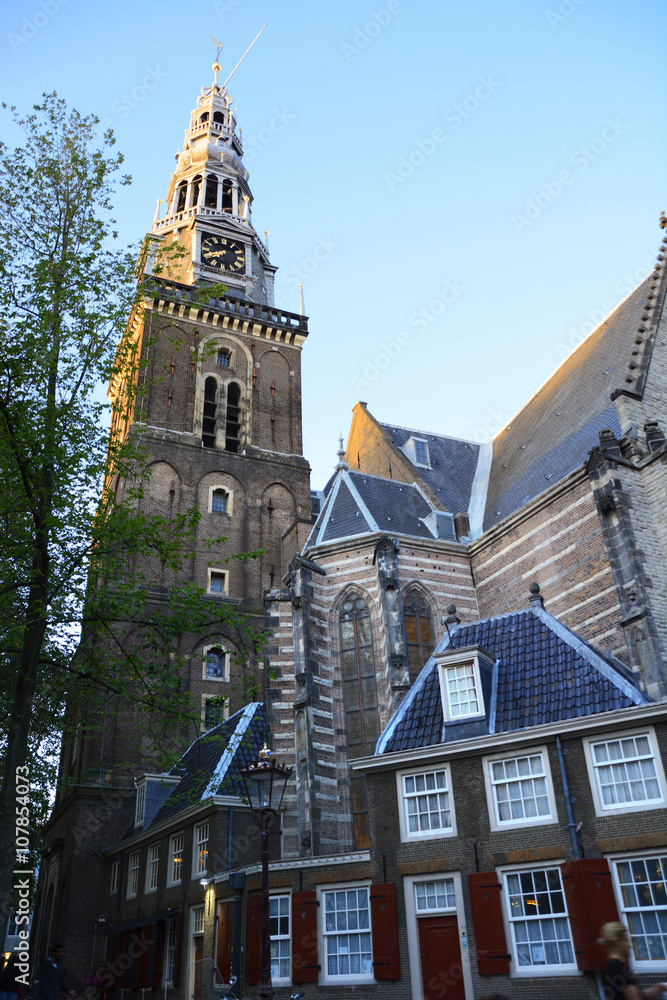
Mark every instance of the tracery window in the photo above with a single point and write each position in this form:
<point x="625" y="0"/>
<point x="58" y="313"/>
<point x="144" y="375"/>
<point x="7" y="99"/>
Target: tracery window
<point x="361" y="704"/>
<point x="418" y="632"/>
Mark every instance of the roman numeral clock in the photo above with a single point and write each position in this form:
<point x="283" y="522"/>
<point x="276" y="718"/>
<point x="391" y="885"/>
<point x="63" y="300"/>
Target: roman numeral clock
<point x="223" y="253"/>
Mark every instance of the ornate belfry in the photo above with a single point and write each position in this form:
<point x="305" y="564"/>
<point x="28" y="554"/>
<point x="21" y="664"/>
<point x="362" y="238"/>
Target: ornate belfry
<point x="220" y="425"/>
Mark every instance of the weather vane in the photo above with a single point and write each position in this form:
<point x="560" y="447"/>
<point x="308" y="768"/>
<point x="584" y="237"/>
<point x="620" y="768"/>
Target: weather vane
<point x="219" y="50"/>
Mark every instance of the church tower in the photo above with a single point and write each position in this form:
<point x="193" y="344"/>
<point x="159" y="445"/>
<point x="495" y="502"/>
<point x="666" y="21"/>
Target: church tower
<point x="220" y="425"/>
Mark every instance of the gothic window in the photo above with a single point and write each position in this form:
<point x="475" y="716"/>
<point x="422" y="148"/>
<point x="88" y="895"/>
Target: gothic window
<point x="182" y="194"/>
<point x="211" y="195"/>
<point x="210" y="404"/>
<point x="361" y="706"/>
<point x="418" y="632"/>
<point x="196" y="185"/>
<point x="233" y="425"/>
<point x="227" y="202"/>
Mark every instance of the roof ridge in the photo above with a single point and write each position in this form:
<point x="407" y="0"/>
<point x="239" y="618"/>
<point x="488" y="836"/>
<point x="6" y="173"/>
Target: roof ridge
<point x="444" y="437"/>
<point x="227" y="756"/>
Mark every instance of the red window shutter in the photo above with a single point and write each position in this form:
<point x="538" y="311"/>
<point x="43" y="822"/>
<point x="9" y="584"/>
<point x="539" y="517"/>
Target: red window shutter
<point x="487" y="921"/>
<point x="384" y="922"/>
<point x="590" y="902"/>
<point x="252" y="939"/>
<point x="223" y="953"/>
<point x="305" y="968"/>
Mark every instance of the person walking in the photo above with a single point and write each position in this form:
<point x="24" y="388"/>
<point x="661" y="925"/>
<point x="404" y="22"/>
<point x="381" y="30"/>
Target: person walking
<point x="52" y="977"/>
<point x="9" y="988"/>
<point x="617" y="980"/>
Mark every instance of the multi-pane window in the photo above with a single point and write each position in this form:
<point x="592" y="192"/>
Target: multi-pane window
<point x="176" y="858"/>
<point x="347" y="933"/>
<point x="418" y="632"/>
<point x="426" y="799"/>
<point x="201" y="849"/>
<point x="437" y="895"/>
<point x="421" y="451"/>
<point x="279" y="926"/>
<point x="219" y="499"/>
<point x="625" y="771"/>
<point x="519" y="788"/>
<point x="215" y="711"/>
<point x="133" y="875"/>
<point x="153" y="867"/>
<point x="197" y="919"/>
<point x="361" y="706"/>
<point x="463" y="698"/>
<point x="224" y="358"/>
<point x="115" y="872"/>
<point x="172" y="944"/>
<point x="140" y="804"/>
<point x="642" y="884"/>
<point x="215" y="664"/>
<point x="217" y="582"/>
<point x="538" y="919"/>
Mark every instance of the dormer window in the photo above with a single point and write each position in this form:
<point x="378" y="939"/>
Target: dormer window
<point x="416" y="448"/>
<point x="140" y="804"/>
<point x="421" y="452"/>
<point x="461" y="685"/>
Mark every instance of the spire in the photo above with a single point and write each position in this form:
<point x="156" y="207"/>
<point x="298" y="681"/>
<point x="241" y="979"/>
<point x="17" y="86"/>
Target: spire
<point x="342" y="464"/>
<point x="302" y="311"/>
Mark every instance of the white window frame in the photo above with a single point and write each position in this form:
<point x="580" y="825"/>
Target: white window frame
<point x="152" y="868"/>
<point x="637" y="965"/>
<point x="214" y="571"/>
<point x="498" y="824"/>
<point x="629" y="807"/>
<point x="133" y="874"/>
<point x="225" y="711"/>
<point x="197" y="870"/>
<point x="140" y="804"/>
<point x="230" y="499"/>
<point x="322" y="935"/>
<point x="283" y="980"/>
<point x="171" y="942"/>
<point x="205" y="675"/>
<point x="406" y="834"/>
<point x="115" y="877"/>
<point x="173" y="850"/>
<point x="533" y="971"/>
<point x="410" y="449"/>
<point x="411" y="917"/>
<point x="448" y="661"/>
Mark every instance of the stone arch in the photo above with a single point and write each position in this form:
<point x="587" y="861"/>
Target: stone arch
<point x="419" y="611"/>
<point x="164" y="487"/>
<point x="278" y="514"/>
<point x="275" y="403"/>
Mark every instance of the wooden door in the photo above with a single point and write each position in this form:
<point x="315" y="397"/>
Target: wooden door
<point x="199" y="954"/>
<point x="442" y="974"/>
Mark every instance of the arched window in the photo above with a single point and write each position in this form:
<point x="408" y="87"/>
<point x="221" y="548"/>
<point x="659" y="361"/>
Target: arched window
<point x="227" y="202"/>
<point x="215" y="664"/>
<point x="418" y="632"/>
<point x="196" y="186"/>
<point x="211" y="193"/>
<point x="210" y="404"/>
<point x="219" y="500"/>
<point x="182" y="194"/>
<point x="361" y="705"/>
<point x="233" y="424"/>
<point x="203" y="118"/>
<point x="218" y="117"/>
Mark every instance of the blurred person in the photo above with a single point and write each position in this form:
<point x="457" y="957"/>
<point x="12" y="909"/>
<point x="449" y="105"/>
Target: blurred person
<point x="52" y="977"/>
<point x="617" y="980"/>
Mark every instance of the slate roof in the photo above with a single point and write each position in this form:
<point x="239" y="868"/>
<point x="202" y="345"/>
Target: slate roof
<point x="358" y="504"/>
<point x="544" y="673"/>
<point x="553" y="433"/>
<point x="453" y="461"/>
<point x="211" y="765"/>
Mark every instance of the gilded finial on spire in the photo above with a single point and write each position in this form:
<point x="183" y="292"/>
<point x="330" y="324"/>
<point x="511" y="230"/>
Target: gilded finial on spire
<point x="216" y="64"/>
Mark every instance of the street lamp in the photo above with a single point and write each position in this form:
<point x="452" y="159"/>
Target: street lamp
<point x="265" y="783"/>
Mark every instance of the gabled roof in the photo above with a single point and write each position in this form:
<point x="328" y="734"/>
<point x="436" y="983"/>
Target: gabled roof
<point x="357" y="504"/>
<point x="543" y="673"/>
<point x="553" y="433"/>
<point x="453" y="465"/>
<point x="211" y="765"/>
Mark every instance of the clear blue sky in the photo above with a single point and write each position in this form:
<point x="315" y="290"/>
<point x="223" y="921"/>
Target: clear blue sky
<point x="466" y="186"/>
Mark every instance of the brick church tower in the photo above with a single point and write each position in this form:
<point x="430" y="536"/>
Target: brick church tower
<point x="221" y="430"/>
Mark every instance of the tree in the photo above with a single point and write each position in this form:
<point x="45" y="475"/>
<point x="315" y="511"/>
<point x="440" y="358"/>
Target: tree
<point x="80" y="621"/>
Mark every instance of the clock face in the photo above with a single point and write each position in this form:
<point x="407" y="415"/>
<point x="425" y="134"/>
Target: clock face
<point x="223" y="253"/>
